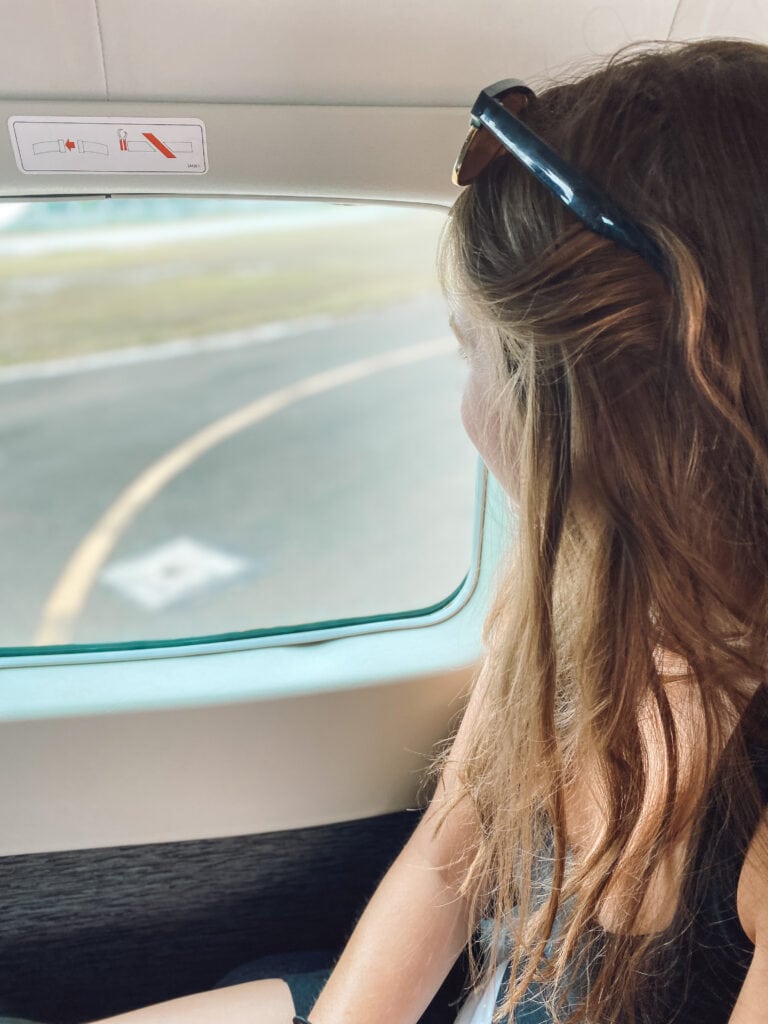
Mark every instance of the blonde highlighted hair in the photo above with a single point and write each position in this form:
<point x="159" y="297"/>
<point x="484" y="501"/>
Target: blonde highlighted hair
<point x="639" y="408"/>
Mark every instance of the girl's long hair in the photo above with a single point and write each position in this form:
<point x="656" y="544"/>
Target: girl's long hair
<point x="633" y="410"/>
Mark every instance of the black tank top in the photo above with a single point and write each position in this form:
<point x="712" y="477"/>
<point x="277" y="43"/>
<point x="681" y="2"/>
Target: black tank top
<point x="707" y="955"/>
<point x="704" y="954"/>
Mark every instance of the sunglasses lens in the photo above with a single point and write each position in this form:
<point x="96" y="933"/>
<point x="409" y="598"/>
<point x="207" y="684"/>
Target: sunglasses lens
<point x="481" y="147"/>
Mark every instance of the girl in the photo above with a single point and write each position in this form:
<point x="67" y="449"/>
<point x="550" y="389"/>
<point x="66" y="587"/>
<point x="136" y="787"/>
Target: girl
<point x="599" y="815"/>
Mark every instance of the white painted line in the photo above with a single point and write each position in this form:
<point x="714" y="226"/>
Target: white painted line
<point x="136" y="354"/>
<point x="70" y="592"/>
<point x="170" y="572"/>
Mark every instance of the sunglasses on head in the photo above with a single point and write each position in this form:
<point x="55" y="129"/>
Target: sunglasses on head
<point x="496" y="128"/>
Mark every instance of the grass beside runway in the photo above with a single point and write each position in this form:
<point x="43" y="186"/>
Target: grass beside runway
<point x="66" y="303"/>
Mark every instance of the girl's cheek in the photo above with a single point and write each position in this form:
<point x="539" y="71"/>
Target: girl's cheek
<point x="470" y="415"/>
<point x="485" y="435"/>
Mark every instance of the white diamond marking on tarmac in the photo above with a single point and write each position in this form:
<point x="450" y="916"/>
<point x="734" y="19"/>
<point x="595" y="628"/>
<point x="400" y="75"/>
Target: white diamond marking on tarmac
<point x="171" y="572"/>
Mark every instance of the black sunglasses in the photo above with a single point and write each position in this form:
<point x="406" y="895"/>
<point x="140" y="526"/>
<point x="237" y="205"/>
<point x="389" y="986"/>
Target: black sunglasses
<point x="496" y="110"/>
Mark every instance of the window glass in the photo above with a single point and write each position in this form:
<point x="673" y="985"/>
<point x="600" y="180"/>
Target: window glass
<point x="221" y="416"/>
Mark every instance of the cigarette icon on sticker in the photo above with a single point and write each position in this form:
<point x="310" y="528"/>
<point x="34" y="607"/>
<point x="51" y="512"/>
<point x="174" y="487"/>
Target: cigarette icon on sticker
<point x="151" y="144"/>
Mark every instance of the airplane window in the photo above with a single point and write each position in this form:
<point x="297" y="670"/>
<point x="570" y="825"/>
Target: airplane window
<point x="222" y="416"/>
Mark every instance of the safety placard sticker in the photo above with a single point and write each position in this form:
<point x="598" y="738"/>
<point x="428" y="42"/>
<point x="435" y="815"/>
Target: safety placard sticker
<point x="108" y="145"/>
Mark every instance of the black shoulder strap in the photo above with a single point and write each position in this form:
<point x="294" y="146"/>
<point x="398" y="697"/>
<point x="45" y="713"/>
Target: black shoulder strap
<point x="754" y="726"/>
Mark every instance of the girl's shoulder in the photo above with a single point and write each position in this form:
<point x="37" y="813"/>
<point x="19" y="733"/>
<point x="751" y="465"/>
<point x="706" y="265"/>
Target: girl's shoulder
<point x="752" y="891"/>
<point x="586" y="818"/>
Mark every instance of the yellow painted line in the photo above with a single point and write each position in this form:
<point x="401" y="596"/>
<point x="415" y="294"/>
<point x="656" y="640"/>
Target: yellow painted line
<point x="70" y="592"/>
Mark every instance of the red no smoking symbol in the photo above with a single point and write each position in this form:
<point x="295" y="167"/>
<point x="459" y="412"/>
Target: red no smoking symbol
<point x="127" y="145"/>
<point x="159" y="145"/>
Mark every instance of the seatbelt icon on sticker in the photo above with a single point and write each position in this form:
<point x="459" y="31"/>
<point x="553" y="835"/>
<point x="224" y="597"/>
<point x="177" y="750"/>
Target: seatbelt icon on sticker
<point x="68" y="146"/>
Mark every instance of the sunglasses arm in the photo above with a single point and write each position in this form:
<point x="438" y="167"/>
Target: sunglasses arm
<point x="572" y="188"/>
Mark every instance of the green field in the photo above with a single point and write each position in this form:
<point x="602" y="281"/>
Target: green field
<point x="59" y="304"/>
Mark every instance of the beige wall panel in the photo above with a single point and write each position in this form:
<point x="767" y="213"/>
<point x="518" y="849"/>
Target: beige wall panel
<point x="260" y="766"/>
<point x="299" y="51"/>
<point x="50" y="48"/>
<point x="340" y="51"/>
<point x="744" y="19"/>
